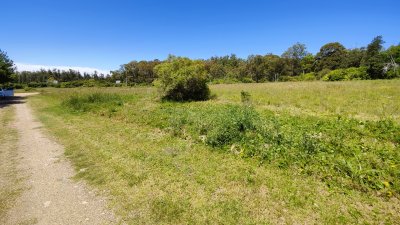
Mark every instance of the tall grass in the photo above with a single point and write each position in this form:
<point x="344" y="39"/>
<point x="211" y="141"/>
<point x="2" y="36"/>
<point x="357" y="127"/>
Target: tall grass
<point x="92" y="102"/>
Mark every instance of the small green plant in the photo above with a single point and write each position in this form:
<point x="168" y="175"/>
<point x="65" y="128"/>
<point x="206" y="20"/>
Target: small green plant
<point x="245" y="97"/>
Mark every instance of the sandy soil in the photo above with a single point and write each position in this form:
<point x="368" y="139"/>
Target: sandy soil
<point x="51" y="197"/>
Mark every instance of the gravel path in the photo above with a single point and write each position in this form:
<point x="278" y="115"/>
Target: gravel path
<point x="51" y="196"/>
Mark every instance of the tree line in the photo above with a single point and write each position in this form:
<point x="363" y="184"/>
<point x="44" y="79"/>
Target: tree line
<point x="332" y="62"/>
<point x="56" y="77"/>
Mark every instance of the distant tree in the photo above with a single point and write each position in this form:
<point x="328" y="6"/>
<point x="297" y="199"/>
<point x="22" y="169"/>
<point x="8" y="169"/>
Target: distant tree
<point x="392" y="65"/>
<point x="215" y="69"/>
<point x="6" y="68"/>
<point x="138" y="72"/>
<point x="374" y="60"/>
<point x="275" y="67"/>
<point x="330" y="56"/>
<point x="225" y="67"/>
<point x="353" y="57"/>
<point x="393" y="52"/>
<point x="257" y="68"/>
<point x="307" y="63"/>
<point x="182" y="79"/>
<point x="294" y="55"/>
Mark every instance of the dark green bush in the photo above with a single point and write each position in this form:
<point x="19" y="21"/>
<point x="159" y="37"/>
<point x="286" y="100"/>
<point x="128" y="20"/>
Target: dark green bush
<point x="36" y="84"/>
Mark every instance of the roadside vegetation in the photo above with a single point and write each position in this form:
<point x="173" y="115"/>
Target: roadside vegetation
<point x="297" y="152"/>
<point x="10" y="175"/>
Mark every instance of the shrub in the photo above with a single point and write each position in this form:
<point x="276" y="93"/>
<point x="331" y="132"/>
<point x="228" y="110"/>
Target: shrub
<point x="307" y="77"/>
<point x="351" y="73"/>
<point x="230" y="124"/>
<point x="182" y="79"/>
<point x="36" y="85"/>
<point x="322" y="73"/>
<point x="245" y="97"/>
<point x="287" y="78"/>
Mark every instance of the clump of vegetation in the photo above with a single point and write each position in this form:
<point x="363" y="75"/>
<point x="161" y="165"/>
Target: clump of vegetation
<point x="245" y="97"/>
<point x="182" y="79"/>
<point x="347" y="74"/>
<point x="342" y="152"/>
<point x="6" y="69"/>
<point x="91" y="102"/>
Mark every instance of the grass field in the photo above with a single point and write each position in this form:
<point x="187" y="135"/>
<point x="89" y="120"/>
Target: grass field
<point x="306" y="152"/>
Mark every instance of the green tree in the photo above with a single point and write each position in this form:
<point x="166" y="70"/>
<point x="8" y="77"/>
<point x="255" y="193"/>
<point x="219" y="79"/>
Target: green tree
<point x="307" y="63"/>
<point x="392" y="65"/>
<point x="6" y="68"/>
<point x="353" y="57"/>
<point x="330" y="56"/>
<point x="225" y="67"/>
<point x="275" y="67"/>
<point x="182" y="79"/>
<point x="374" y="59"/>
<point x="257" y="68"/>
<point x="294" y="56"/>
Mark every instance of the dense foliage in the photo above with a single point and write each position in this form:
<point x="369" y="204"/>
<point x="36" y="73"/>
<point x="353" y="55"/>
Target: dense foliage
<point x="6" y="68"/>
<point x="295" y="64"/>
<point x="182" y="79"/>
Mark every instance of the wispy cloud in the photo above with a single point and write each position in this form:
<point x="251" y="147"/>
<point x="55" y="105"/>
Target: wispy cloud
<point x="32" y="67"/>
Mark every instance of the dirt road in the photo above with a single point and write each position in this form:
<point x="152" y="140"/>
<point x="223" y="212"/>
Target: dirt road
<point x="51" y="197"/>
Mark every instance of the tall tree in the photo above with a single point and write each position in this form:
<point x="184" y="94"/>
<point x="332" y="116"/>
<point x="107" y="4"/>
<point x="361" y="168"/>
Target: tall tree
<point x="330" y="56"/>
<point x="257" y="68"/>
<point x="392" y="65"/>
<point x="374" y="60"/>
<point x="354" y="57"/>
<point x="294" y="55"/>
<point x="307" y="63"/>
<point x="6" y="68"/>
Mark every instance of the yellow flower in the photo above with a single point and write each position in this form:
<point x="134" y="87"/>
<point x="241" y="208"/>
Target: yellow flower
<point x="386" y="183"/>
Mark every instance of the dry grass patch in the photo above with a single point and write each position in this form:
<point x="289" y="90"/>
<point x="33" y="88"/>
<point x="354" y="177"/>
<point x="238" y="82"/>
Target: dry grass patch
<point x="10" y="176"/>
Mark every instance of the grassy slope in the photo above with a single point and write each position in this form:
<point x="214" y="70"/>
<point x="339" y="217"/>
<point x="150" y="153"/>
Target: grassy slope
<point x="10" y="176"/>
<point x="156" y="177"/>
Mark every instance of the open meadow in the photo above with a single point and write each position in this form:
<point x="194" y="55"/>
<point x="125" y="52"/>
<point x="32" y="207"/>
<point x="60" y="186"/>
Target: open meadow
<point x="271" y="153"/>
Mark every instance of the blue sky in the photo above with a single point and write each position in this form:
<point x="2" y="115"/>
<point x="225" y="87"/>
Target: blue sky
<point x="106" y="34"/>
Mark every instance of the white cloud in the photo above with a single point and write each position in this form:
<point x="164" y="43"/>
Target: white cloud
<point x="32" y="67"/>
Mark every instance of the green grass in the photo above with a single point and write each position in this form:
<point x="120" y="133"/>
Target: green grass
<point x="10" y="176"/>
<point x="301" y="153"/>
